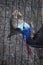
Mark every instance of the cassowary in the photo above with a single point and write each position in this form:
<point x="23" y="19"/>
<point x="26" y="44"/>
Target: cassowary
<point x="18" y="26"/>
<point x="22" y="27"/>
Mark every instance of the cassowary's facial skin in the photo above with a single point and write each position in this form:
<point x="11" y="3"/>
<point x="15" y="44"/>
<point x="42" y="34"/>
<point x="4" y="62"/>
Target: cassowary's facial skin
<point x="20" y="21"/>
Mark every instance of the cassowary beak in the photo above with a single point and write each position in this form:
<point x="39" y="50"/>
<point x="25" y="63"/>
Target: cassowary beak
<point x="14" y="32"/>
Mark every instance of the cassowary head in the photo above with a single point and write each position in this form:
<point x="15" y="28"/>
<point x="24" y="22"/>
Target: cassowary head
<point x="15" y="19"/>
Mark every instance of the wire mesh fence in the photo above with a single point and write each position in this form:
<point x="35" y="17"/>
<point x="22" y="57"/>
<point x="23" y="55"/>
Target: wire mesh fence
<point x="13" y="50"/>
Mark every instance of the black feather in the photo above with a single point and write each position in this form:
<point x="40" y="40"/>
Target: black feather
<point x="38" y="40"/>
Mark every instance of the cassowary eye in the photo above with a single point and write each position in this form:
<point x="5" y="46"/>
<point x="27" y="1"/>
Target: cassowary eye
<point x="19" y="17"/>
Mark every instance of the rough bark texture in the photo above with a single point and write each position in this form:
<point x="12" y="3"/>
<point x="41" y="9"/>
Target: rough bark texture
<point x="13" y="51"/>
